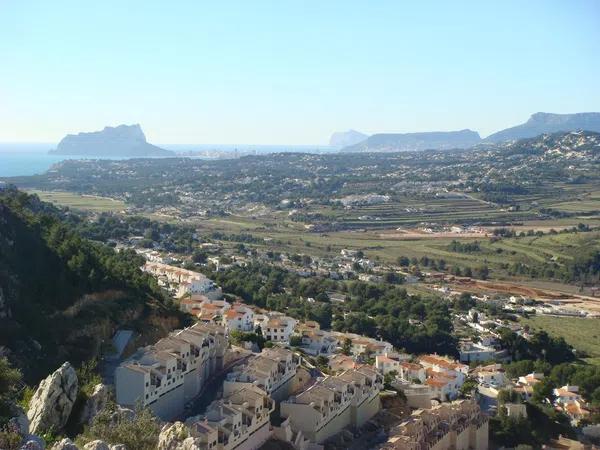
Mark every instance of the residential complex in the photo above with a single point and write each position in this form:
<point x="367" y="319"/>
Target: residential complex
<point x="166" y="375"/>
<point x="272" y="370"/>
<point x="334" y="403"/>
<point x="459" y="425"/>
<point x="240" y="420"/>
<point x="186" y="281"/>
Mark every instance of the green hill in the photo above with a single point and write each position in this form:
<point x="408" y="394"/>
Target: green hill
<point x="62" y="296"/>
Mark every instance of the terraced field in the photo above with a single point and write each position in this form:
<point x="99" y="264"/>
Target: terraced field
<point x="451" y="210"/>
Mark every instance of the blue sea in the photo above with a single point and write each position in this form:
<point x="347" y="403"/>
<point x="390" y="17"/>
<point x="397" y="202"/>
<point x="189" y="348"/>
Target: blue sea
<point x="26" y="159"/>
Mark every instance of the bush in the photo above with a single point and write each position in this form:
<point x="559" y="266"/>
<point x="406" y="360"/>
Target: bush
<point x="140" y="432"/>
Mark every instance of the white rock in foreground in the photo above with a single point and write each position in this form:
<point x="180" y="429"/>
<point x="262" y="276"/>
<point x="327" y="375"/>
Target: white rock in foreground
<point x="53" y="401"/>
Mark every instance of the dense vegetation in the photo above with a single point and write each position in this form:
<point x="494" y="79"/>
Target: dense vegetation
<point x="416" y="324"/>
<point x="63" y="295"/>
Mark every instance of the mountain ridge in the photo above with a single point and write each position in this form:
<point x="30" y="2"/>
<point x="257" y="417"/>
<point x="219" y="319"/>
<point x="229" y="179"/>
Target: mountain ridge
<point x="538" y="124"/>
<point x="433" y="140"/>
<point x="548" y="123"/>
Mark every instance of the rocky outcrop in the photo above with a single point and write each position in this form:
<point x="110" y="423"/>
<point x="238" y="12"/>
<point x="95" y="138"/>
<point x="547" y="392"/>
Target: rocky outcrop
<point x="96" y="445"/>
<point x="176" y="436"/>
<point x="95" y="403"/>
<point x="19" y="421"/>
<point x="53" y="401"/>
<point x="33" y="444"/>
<point x="65" y="444"/>
<point x="124" y="140"/>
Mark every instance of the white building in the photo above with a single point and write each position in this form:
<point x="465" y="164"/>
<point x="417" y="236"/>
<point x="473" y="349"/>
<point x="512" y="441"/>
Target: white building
<point x="272" y="371"/>
<point x="492" y="375"/>
<point x="276" y="327"/>
<point x="363" y="344"/>
<point x="166" y="375"/>
<point x="239" y="318"/>
<point x="316" y="341"/>
<point x="335" y="403"/>
<point x="390" y="362"/>
<point x="186" y="281"/>
<point x="476" y="352"/>
<point x="239" y="421"/>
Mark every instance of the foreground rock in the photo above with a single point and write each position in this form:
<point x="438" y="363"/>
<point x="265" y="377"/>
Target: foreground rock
<point x="96" y="445"/>
<point x="65" y="444"/>
<point x="95" y="403"/>
<point x="176" y="436"/>
<point x="53" y="401"/>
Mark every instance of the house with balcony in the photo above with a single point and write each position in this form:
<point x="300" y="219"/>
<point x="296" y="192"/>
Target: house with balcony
<point x="448" y="426"/>
<point x="334" y="403"/>
<point x="239" y="318"/>
<point x="166" y="375"/>
<point x="239" y="421"/>
<point x="272" y="371"/>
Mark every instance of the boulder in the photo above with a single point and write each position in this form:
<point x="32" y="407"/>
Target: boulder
<point x="96" y="445"/>
<point x="95" y="403"/>
<point x="65" y="444"/>
<point x="118" y="447"/>
<point x="122" y="414"/>
<point x="176" y="436"/>
<point x="53" y="401"/>
<point x="33" y="444"/>
<point x="19" y="422"/>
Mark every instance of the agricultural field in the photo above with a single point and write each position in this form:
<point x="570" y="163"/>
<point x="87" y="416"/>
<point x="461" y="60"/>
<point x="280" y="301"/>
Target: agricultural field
<point x="286" y="236"/>
<point x="78" y="201"/>
<point x="582" y="334"/>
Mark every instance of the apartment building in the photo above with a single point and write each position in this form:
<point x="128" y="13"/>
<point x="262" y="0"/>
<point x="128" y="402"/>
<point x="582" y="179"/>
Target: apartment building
<point x="239" y="421"/>
<point x="272" y="371"/>
<point x="458" y="425"/>
<point x="335" y="403"/>
<point x="187" y="281"/>
<point x="166" y="375"/>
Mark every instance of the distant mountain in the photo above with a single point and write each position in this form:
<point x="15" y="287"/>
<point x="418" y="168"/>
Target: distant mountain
<point x="545" y="123"/>
<point x="124" y="140"/>
<point x="342" y="139"/>
<point x="403" y="142"/>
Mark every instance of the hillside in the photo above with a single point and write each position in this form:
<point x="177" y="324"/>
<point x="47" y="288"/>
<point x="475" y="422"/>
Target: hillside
<point x="398" y="142"/>
<point x="544" y="123"/>
<point x="118" y="141"/>
<point x="62" y="296"/>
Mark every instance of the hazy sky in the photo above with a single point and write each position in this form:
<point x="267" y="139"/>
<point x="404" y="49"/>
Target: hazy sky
<point x="275" y="72"/>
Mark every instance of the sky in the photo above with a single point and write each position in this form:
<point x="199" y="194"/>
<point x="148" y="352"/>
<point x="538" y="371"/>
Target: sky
<point x="291" y="72"/>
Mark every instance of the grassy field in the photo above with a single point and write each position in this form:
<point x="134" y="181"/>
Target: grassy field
<point x="77" y="201"/>
<point x="582" y="334"/>
<point x="285" y="236"/>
